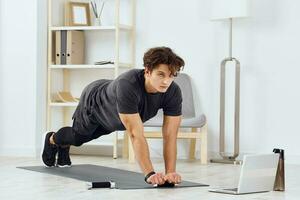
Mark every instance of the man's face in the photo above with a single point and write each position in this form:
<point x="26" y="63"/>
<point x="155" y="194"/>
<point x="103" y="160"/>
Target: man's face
<point x="160" y="78"/>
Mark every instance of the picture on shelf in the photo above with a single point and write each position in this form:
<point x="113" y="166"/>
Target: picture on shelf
<point x="77" y="14"/>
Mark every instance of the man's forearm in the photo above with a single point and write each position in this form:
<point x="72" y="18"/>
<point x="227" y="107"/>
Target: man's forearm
<point x="170" y="154"/>
<point x="141" y="151"/>
<point x="170" y="130"/>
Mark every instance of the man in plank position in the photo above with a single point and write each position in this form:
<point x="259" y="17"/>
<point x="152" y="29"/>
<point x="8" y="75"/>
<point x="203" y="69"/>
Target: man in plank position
<point x="125" y="103"/>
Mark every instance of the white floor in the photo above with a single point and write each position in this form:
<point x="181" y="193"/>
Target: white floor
<point x="21" y="184"/>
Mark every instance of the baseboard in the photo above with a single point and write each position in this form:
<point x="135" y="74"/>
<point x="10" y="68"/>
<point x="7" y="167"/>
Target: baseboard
<point x="18" y="151"/>
<point x="289" y="159"/>
<point x="107" y="150"/>
<point x="96" y="150"/>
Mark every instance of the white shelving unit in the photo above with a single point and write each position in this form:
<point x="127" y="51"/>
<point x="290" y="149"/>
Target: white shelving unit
<point x="55" y="9"/>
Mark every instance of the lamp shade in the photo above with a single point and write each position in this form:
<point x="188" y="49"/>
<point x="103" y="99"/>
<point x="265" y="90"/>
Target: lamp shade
<point x="225" y="9"/>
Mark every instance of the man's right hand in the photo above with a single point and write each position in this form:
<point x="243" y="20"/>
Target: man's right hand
<point x="157" y="178"/>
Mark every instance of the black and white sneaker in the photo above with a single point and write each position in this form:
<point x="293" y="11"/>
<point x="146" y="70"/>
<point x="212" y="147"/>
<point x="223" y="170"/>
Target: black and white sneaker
<point x="63" y="157"/>
<point x="49" y="151"/>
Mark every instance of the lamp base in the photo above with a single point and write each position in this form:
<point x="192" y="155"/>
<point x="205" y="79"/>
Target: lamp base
<point x="227" y="161"/>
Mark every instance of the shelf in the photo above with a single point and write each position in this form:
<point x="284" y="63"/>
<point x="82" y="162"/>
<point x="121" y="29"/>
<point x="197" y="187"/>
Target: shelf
<point x="109" y="28"/>
<point x="108" y="66"/>
<point x="60" y="104"/>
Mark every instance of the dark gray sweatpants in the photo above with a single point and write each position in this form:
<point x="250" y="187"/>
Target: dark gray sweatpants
<point x="85" y="127"/>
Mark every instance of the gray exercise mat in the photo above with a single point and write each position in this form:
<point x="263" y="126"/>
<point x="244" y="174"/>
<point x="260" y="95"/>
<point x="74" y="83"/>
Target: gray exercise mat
<point x="94" y="173"/>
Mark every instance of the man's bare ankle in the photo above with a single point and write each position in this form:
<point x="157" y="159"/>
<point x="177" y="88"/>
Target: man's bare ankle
<point x="51" y="139"/>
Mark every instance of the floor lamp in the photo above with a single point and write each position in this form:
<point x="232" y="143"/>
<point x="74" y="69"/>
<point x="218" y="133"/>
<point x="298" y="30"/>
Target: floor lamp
<point x="229" y="10"/>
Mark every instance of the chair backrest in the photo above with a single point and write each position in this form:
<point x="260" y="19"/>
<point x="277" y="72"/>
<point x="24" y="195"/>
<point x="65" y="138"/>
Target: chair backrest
<point x="184" y="82"/>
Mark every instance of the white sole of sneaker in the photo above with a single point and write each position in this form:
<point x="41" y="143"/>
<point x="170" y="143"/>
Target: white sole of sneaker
<point x="41" y="154"/>
<point x="64" y="166"/>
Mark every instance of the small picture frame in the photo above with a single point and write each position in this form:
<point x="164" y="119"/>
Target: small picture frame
<point x="78" y="14"/>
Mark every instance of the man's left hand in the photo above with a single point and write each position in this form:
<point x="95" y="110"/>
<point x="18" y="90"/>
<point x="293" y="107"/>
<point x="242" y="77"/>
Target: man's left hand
<point x="172" y="177"/>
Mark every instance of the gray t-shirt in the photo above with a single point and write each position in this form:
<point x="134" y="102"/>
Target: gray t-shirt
<point x="127" y="94"/>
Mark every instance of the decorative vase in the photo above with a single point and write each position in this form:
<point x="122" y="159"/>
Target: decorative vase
<point x="97" y="21"/>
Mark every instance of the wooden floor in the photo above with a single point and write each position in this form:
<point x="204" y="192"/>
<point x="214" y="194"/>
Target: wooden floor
<point x="21" y="184"/>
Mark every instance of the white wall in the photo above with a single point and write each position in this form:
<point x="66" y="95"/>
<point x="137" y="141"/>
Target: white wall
<point x="266" y="45"/>
<point x="18" y="33"/>
<point x="41" y="72"/>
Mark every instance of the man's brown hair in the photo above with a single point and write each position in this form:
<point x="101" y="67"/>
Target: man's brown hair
<point x="163" y="55"/>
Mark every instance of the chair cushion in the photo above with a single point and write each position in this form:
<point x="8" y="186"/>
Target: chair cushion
<point x="195" y="122"/>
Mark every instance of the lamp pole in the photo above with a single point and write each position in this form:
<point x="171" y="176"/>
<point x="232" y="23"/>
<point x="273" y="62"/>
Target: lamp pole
<point x="229" y="159"/>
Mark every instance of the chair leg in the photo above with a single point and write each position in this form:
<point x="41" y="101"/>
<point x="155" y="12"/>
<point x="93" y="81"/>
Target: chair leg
<point x="125" y="145"/>
<point x="193" y="146"/>
<point x="192" y="149"/>
<point x="203" y="147"/>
